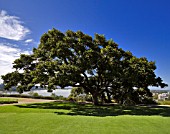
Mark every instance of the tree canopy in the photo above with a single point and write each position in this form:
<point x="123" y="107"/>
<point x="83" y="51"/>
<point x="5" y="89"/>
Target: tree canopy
<point x="76" y="59"/>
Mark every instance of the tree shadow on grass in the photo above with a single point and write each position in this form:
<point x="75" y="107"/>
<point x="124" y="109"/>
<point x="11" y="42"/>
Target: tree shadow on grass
<point x="101" y="111"/>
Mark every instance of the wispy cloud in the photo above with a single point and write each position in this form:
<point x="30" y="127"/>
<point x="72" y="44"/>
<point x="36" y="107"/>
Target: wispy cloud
<point x="14" y="32"/>
<point x="28" y="40"/>
<point x="8" y="53"/>
<point x="11" y="27"/>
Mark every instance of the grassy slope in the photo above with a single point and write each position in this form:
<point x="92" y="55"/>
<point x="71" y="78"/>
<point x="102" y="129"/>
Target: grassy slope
<point x="58" y="118"/>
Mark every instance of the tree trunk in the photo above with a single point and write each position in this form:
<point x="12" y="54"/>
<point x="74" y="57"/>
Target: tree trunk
<point x="103" y="98"/>
<point x="121" y="101"/>
<point x="95" y="99"/>
<point x="108" y="97"/>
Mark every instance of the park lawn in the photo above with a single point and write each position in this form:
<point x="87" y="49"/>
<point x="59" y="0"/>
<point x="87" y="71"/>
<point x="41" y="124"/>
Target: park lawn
<point x="7" y="100"/>
<point x="69" y="118"/>
<point x="166" y="102"/>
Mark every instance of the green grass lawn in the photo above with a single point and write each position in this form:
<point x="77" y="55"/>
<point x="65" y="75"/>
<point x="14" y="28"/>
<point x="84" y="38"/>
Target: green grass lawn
<point x="166" y="102"/>
<point x="72" y="118"/>
<point x="7" y="100"/>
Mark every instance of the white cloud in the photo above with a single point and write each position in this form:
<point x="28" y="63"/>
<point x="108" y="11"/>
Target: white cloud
<point x="28" y="40"/>
<point x="11" y="27"/>
<point x="8" y="53"/>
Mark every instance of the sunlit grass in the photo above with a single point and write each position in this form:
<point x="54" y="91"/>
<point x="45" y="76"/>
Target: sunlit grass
<point x="166" y="102"/>
<point x="73" y="118"/>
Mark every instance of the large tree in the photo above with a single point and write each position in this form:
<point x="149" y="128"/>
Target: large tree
<point x="76" y="59"/>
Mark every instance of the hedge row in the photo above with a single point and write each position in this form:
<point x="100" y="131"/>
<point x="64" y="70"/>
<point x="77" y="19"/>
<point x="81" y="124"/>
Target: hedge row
<point x="35" y="97"/>
<point x="9" y="102"/>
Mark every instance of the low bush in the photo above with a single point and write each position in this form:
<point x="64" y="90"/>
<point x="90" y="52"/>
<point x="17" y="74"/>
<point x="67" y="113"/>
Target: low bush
<point x="35" y="96"/>
<point x="8" y="101"/>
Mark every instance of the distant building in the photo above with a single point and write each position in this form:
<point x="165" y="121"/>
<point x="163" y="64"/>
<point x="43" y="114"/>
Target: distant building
<point x="163" y="96"/>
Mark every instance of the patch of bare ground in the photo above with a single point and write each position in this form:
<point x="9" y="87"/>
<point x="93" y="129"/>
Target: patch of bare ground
<point x="26" y="101"/>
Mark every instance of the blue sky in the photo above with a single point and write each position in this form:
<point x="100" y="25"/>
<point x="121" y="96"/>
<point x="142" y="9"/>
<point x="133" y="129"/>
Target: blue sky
<point x="141" y="26"/>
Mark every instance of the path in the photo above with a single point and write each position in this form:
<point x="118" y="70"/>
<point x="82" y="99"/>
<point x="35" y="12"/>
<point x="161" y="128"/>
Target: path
<point x="26" y="101"/>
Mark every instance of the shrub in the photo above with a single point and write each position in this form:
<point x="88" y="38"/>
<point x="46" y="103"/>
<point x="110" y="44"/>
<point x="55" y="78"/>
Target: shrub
<point x="35" y="95"/>
<point x="8" y="101"/>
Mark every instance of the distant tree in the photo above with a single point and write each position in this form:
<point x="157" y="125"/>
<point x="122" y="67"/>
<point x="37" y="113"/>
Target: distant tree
<point x="96" y="65"/>
<point x="75" y="93"/>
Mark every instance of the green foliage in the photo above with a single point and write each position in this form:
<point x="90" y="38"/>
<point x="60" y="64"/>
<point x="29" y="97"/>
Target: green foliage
<point x="155" y="97"/>
<point x="8" y="101"/>
<point x="56" y="97"/>
<point x="96" y="65"/>
<point x="35" y="95"/>
<point x="76" y="94"/>
<point x="31" y="95"/>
